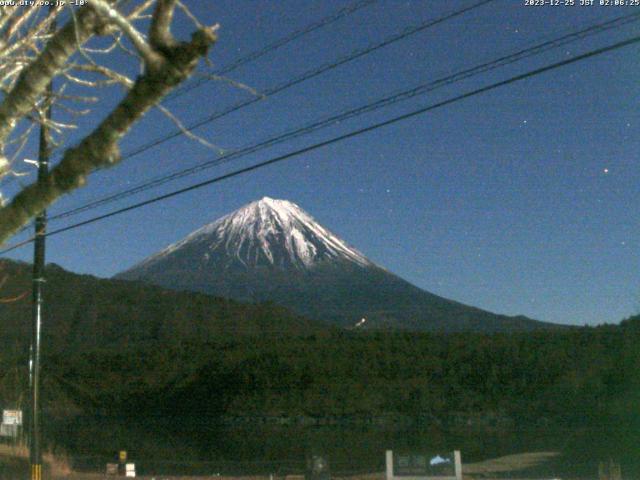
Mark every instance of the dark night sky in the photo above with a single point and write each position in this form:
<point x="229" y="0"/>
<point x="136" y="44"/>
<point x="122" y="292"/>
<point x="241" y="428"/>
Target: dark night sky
<point x="522" y="200"/>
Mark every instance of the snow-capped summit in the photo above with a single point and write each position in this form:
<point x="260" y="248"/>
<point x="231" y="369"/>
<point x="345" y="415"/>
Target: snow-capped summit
<point x="266" y="232"/>
<point x="272" y="250"/>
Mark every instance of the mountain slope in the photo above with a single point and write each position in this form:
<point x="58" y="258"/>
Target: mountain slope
<point x="273" y="250"/>
<point x="85" y="312"/>
<point x="276" y="234"/>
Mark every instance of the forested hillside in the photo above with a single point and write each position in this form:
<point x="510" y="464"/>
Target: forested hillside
<point x="577" y="377"/>
<point x="114" y="348"/>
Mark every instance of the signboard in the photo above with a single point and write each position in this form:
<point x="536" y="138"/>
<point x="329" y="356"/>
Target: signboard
<point x="423" y="466"/>
<point x="12" y="417"/>
<point x="122" y="456"/>
<point x="8" y="430"/>
<point x="130" y="470"/>
<point x="112" y="469"/>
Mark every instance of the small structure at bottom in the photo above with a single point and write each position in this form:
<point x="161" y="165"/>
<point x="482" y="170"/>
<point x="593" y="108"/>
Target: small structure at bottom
<point x="116" y="469"/>
<point x="421" y="466"/>
<point x="317" y="468"/>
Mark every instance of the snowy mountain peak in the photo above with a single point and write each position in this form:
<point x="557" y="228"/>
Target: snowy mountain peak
<point x="266" y="232"/>
<point x="272" y="250"/>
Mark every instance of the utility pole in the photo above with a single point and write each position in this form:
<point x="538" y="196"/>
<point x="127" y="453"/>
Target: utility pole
<point x="35" y="452"/>
<point x="35" y="433"/>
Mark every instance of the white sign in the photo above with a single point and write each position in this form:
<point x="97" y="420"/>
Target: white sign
<point x="130" y="470"/>
<point x="437" y="460"/>
<point x="418" y="467"/>
<point x="12" y="417"/>
<point x="8" y="430"/>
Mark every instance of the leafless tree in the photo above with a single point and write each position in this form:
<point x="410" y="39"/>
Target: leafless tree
<point x="78" y="53"/>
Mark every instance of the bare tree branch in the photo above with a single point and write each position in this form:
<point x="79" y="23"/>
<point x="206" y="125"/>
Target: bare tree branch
<point x="160" y="31"/>
<point x="186" y="132"/>
<point x="150" y="56"/>
<point x="139" y="11"/>
<point x="34" y="79"/>
<point x="175" y="62"/>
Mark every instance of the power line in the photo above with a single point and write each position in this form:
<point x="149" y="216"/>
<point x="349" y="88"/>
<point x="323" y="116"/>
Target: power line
<point x="308" y="75"/>
<point x="340" y="138"/>
<point x="407" y="32"/>
<point x="386" y="101"/>
<point x="344" y="12"/>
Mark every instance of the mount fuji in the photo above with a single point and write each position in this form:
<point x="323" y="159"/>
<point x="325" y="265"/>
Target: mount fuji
<point x="272" y="250"/>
